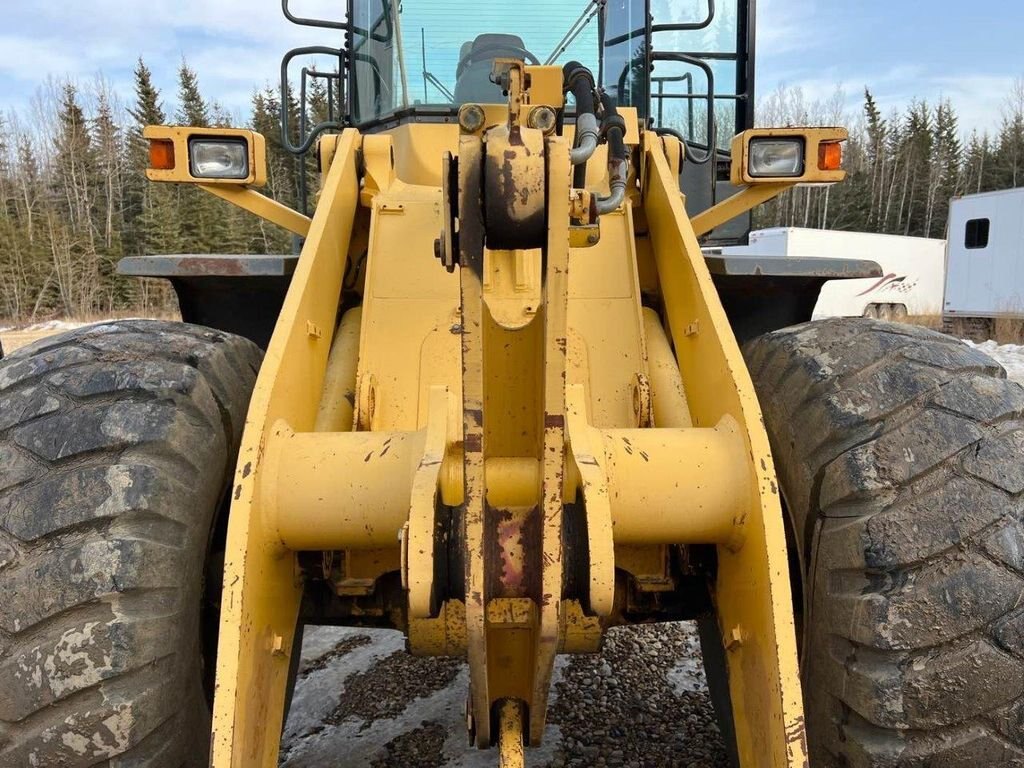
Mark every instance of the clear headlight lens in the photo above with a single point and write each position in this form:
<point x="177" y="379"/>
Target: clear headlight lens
<point x="219" y="158"/>
<point x="776" y="158"/>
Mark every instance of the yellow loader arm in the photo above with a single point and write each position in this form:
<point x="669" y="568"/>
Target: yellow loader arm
<point x="554" y="409"/>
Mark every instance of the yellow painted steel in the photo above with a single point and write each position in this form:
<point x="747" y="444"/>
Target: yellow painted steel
<point x="179" y="138"/>
<point x="261" y="590"/>
<point x="511" y="753"/>
<point x="666" y="485"/>
<point x="502" y="389"/>
<point x="337" y="405"/>
<point x="668" y="396"/>
<point x="313" y="506"/>
<point x="813" y="139"/>
<point x="752" y="593"/>
<point x="731" y="207"/>
<point x="262" y="206"/>
<point x="553" y="447"/>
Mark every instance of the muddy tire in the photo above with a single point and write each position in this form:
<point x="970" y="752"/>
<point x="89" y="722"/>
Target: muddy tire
<point x="116" y="445"/>
<point x="900" y="454"/>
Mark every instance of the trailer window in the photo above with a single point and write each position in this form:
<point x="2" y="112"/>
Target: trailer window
<point x="977" y="234"/>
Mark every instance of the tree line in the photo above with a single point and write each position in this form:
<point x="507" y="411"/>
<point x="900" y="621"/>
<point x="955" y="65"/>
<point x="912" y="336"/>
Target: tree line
<point x="74" y="198"/>
<point x="904" y="167"/>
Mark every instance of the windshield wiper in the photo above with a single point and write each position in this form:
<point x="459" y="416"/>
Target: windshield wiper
<point x="577" y="27"/>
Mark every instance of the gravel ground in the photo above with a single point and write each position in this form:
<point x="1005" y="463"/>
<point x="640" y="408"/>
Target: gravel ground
<point x="362" y="701"/>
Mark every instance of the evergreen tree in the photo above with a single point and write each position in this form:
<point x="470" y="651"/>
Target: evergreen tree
<point x="151" y="211"/>
<point x="192" y="109"/>
<point x="1009" y="166"/>
<point x="945" y="169"/>
<point x="198" y="212"/>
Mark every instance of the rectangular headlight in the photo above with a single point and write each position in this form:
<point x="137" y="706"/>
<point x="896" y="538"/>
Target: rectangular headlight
<point x="218" y="158"/>
<point x="776" y="158"/>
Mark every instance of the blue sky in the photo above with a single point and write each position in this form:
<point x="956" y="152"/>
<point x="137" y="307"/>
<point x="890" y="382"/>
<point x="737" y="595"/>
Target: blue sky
<point x="968" y="52"/>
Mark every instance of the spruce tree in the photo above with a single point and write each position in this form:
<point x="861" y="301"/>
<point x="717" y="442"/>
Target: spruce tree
<point x="151" y="209"/>
<point x="192" y="108"/>
<point x="1009" y="159"/>
<point x="199" y="212"/>
<point x="946" y="174"/>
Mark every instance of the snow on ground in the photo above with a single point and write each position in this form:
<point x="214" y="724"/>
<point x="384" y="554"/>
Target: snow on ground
<point x="51" y="326"/>
<point x="1010" y="356"/>
<point x="361" y="700"/>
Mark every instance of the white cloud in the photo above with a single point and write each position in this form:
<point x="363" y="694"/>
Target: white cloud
<point x="234" y="45"/>
<point x="782" y="26"/>
<point x="19" y="57"/>
<point x="977" y="98"/>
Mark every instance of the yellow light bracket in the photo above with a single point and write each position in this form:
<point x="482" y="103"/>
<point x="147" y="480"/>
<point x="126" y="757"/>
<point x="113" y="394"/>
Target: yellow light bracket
<point x="817" y="156"/>
<point x="171" y="152"/>
<point x="175" y="155"/>
<point x="791" y="156"/>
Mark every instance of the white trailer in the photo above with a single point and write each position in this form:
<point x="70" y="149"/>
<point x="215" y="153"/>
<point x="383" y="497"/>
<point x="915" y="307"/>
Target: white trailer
<point x="985" y="262"/>
<point x="912" y="269"/>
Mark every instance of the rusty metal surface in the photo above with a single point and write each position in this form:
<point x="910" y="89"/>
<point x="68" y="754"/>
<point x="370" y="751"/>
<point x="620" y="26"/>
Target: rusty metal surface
<point x="514" y="189"/>
<point x="792" y="266"/>
<point x="209" y="265"/>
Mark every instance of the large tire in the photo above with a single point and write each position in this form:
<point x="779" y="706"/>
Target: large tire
<point x="116" y="445"/>
<point x="900" y="455"/>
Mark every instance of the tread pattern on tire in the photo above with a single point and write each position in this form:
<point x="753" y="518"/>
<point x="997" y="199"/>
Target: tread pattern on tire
<point x="900" y="453"/>
<point x="116" y="442"/>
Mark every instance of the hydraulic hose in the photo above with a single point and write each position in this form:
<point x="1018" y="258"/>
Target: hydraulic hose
<point x="614" y="129"/>
<point x="579" y="81"/>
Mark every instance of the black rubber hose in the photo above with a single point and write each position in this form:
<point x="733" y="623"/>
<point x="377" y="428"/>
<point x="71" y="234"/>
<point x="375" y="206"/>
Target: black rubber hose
<point x="579" y="81"/>
<point x="613" y="127"/>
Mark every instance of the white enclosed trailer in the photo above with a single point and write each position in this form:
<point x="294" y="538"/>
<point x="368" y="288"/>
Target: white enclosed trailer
<point x="985" y="262"/>
<point x="912" y="270"/>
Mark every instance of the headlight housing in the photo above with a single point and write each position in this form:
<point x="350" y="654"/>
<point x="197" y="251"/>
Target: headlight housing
<point x="213" y="156"/>
<point x="218" y="158"/>
<point x="779" y="158"/>
<point x="788" y="156"/>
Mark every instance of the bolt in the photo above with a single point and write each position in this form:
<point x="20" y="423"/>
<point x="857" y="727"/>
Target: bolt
<point x="735" y="639"/>
<point x="593" y="239"/>
<point x="471" y="118"/>
<point x="542" y="118"/>
<point x="277" y="645"/>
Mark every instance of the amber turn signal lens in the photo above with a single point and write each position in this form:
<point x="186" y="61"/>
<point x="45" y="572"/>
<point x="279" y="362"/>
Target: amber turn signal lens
<point x="830" y="156"/>
<point x="161" y="154"/>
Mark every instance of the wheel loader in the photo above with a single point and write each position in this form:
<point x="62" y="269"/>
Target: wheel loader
<point x="510" y="394"/>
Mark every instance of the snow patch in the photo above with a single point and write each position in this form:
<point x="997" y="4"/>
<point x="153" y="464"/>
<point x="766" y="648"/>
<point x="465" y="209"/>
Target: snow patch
<point x="1010" y="356"/>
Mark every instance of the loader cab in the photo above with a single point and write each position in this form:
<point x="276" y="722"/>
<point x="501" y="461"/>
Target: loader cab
<point x="686" y="66"/>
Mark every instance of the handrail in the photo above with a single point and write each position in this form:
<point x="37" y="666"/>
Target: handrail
<point x="304" y="22"/>
<point x="345" y="26"/>
<point x="661" y="95"/>
<point x="712" y="129"/>
<point x="688" y="26"/>
<point x="307" y="142"/>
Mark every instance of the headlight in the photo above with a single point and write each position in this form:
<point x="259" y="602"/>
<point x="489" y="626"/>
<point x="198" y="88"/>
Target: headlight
<point x="218" y="158"/>
<point x="776" y="158"/>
